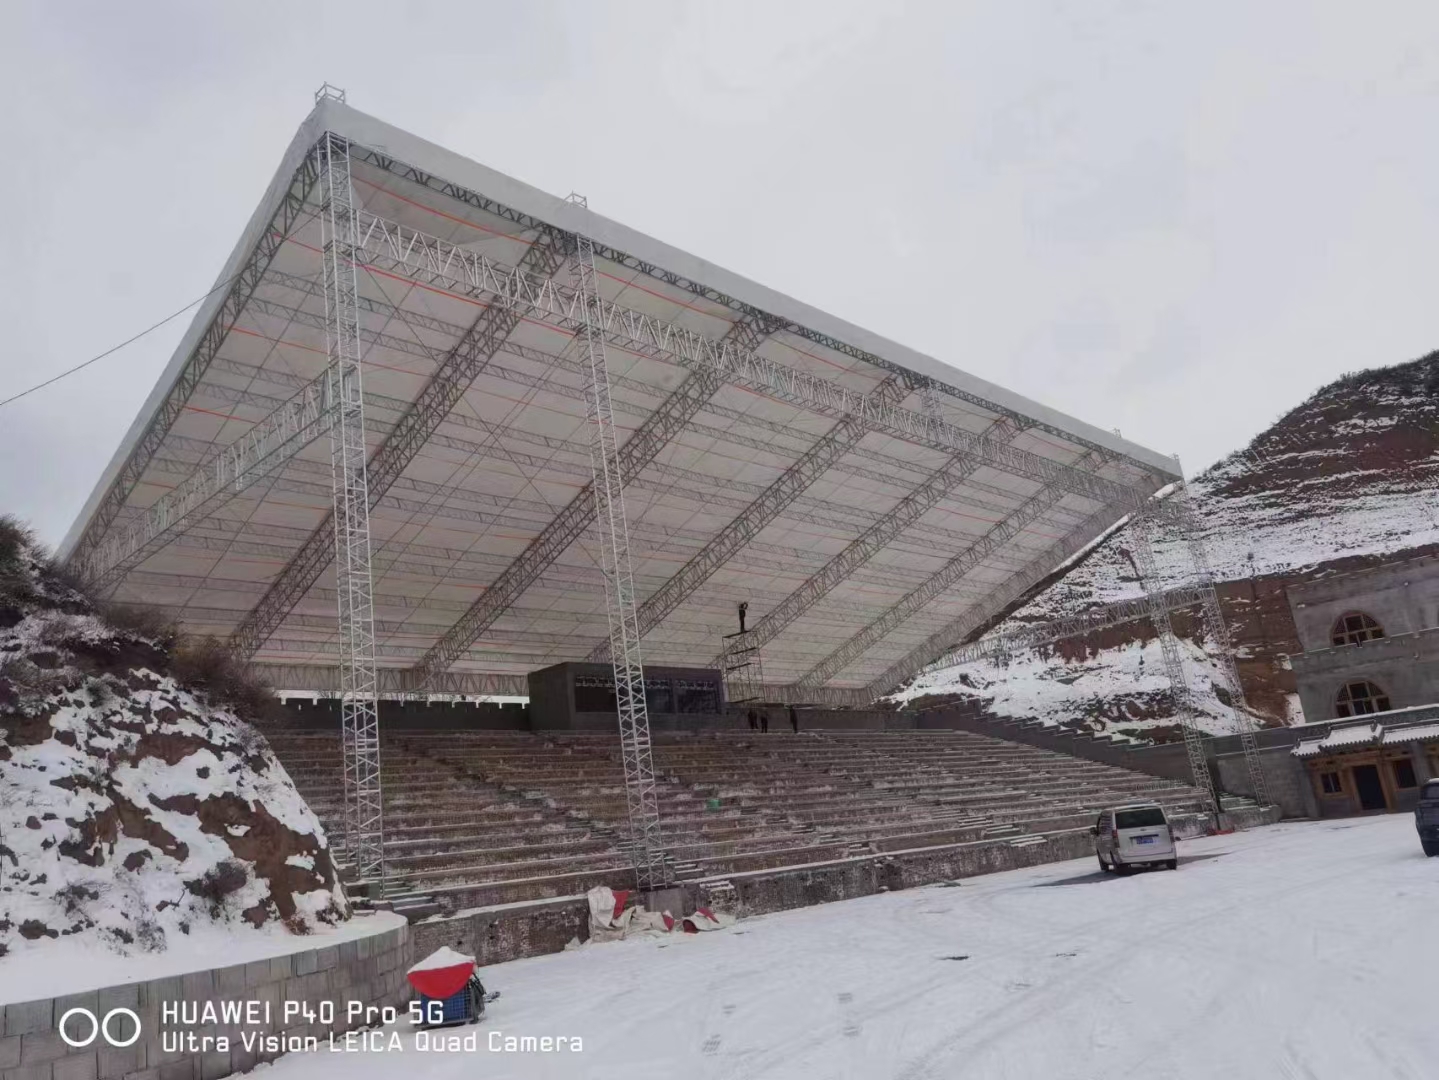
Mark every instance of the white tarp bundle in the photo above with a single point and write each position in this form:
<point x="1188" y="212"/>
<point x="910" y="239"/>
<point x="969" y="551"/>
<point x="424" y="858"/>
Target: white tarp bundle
<point x="611" y="920"/>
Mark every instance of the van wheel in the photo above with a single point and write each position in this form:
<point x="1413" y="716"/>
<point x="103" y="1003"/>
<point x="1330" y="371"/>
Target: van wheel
<point x="1107" y="868"/>
<point x="1172" y="864"/>
<point x="1122" y="869"/>
<point x="1431" y="847"/>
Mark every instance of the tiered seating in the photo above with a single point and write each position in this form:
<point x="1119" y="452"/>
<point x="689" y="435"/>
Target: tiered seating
<point x="452" y="836"/>
<point x="1011" y="782"/>
<point x="482" y="818"/>
<point x="583" y="776"/>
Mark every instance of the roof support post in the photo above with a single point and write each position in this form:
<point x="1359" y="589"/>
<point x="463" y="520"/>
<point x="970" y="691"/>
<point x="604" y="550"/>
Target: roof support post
<point x="651" y="866"/>
<point x="359" y="708"/>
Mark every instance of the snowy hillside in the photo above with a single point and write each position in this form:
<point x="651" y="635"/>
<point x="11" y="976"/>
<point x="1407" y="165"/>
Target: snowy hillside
<point x="132" y="810"/>
<point x="1344" y="480"/>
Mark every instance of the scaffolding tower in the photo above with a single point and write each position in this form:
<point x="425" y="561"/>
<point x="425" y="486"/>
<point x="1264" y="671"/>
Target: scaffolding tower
<point x="652" y="869"/>
<point x="359" y="710"/>
<point x="1184" y="708"/>
<point x="743" y="671"/>
<point x="1217" y="630"/>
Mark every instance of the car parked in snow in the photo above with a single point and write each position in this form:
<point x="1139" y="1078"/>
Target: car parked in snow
<point x="1426" y="817"/>
<point x="1134" y="835"/>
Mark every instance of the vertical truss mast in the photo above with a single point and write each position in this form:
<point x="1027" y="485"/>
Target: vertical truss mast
<point x="364" y="819"/>
<point x="647" y="851"/>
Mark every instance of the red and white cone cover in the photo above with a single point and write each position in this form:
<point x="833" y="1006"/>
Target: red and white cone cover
<point x="442" y="973"/>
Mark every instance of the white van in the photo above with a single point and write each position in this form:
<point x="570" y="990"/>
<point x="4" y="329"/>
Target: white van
<point x="1134" y="835"/>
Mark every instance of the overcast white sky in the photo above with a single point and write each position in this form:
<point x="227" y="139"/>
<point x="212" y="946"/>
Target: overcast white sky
<point x="1175" y="219"/>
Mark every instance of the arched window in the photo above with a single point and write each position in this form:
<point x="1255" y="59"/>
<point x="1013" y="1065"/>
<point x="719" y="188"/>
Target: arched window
<point x="1360" y="698"/>
<point x="1355" y="627"/>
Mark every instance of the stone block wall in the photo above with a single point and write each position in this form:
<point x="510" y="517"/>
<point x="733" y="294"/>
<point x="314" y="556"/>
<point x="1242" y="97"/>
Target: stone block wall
<point x="367" y="969"/>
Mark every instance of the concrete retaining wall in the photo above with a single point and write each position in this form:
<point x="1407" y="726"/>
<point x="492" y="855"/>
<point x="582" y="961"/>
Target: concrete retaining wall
<point x="507" y="932"/>
<point x="367" y="969"/>
<point x="1283" y="776"/>
<point x="845" y="879"/>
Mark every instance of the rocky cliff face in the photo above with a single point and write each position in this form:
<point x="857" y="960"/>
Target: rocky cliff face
<point x="1344" y="481"/>
<point x="132" y="809"/>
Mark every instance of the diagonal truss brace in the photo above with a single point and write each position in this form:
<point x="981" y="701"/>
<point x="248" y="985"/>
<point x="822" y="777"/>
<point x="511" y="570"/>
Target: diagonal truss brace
<point x="979" y="615"/>
<point x="292" y="203"/>
<point x="767" y="506"/>
<point x="869" y="543"/>
<point x="931" y="587"/>
<point x="258" y="453"/>
<point x="440" y="395"/>
<point x="1131" y="609"/>
<point x="660" y="428"/>
<point x="399" y="249"/>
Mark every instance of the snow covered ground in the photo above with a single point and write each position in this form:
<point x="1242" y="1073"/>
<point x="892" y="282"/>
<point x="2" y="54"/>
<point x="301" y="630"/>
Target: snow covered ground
<point x="1303" y="950"/>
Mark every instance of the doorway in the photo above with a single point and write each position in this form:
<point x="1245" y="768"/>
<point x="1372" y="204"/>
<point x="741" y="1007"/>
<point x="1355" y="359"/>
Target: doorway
<point x="1369" y="787"/>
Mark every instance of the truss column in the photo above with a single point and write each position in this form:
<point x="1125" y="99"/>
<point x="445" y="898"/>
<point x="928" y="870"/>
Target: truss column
<point x="651" y="867"/>
<point x="1217" y="629"/>
<point x="359" y="712"/>
<point x="1144" y="561"/>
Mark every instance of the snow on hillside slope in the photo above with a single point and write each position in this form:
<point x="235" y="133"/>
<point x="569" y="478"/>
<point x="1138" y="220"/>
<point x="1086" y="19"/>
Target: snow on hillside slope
<point x="131" y="810"/>
<point x="1346" y="478"/>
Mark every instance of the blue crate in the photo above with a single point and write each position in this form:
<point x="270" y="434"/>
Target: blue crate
<point x="459" y="1008"/>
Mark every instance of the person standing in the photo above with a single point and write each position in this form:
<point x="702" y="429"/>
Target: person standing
<point x="794" y="719"/>
<point x="764" y="723"/>
<point x="753" y="720"/>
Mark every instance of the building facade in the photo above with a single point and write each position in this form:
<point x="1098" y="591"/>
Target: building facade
<point x="1371" y="764"/>
<point x="1370" y="638"/>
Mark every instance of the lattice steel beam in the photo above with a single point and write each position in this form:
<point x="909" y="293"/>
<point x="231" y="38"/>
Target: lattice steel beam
<point x="247" y="279"/>
<point x="440" y="395"/>
<point x="772" y="502"/>
<point x="639" y="450"/>
<point x="359" y="708"/>
<point x="870" y="542"/>
<point x="257" y="454"/>
<point x="1036" y="635"/>
<point x="716" y="296"/>
<point x="994" y="602"/>
<point x="313" y="678"/>
<point x="861" y="642"/>
<point x="647" y="854"/>
<point x="398" y="249"/>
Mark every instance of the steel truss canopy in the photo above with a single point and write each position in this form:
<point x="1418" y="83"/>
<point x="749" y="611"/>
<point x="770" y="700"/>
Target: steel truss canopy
<point x="871" y="504"/>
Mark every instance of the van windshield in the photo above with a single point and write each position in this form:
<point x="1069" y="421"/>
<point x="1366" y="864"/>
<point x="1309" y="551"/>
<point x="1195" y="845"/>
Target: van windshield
<point x="1139" y="819"/>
